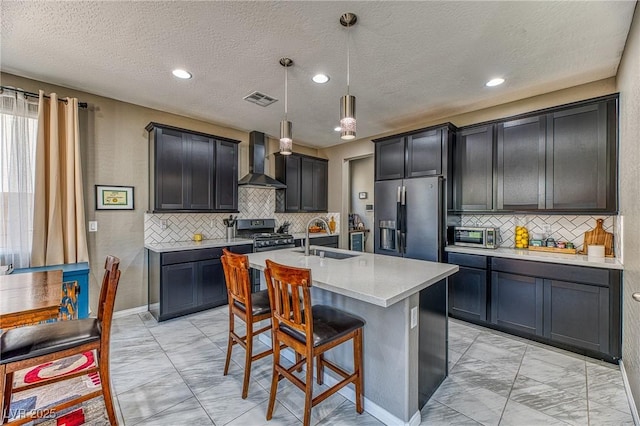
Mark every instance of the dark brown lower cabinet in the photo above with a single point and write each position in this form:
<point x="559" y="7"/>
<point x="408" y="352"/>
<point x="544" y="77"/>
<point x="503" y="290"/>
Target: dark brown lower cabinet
<point x="572" y="307"/>
<point x="516" y="302"/>
<point x="468" y="287"/>
<point x="183" y="282"/>
<point x="577" y="314"/>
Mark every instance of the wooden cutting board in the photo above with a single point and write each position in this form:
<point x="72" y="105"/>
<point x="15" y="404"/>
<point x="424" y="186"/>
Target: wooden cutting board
<point x="598" y="236"/>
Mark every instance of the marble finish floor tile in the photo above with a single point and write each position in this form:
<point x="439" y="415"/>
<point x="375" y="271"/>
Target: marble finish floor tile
<point x="170" y="373"/>
<point x="479" y="404"/>
<point x="565" y="406"/>
<point x="516" y="414"/>
<point x="188" y="412"/>
<point x="435" y="413"/>
<point x="152" y="398"/>
<point x="569" y="376"/>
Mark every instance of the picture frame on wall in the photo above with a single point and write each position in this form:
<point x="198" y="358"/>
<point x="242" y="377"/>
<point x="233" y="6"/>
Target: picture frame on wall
<point x="111" y="197"/>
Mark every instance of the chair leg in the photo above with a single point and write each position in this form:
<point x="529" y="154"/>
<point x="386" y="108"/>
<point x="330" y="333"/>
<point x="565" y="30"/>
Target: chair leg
<point x="357" y="364"/>
<point x="274" y="377"/>
<point x="298" y="358"/>
<point x="320" y="369"/>
<point x="308" y="391"/>
<point x="5" y="395"/>
<point x="229" y="344"/>
<point x="105" y="382"/>
<point x="247" y="359"/>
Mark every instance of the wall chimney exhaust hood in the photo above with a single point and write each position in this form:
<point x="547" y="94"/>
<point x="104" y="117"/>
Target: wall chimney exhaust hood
<point x="256" y="176"/>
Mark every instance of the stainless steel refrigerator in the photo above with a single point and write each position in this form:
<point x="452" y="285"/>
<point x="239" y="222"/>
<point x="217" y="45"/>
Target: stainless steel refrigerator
<point x="409" y="218"/>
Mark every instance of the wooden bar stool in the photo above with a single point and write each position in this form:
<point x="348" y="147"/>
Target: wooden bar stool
<point x="310" y="331"/>
<point x="249" y="307"/>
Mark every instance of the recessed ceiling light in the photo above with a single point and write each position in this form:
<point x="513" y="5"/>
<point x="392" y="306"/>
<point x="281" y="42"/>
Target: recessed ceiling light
<point x="495" y="82"/>
<point x="320" y="78"/>
<point x="337" y="129"/>
<point x="182" y="74"/>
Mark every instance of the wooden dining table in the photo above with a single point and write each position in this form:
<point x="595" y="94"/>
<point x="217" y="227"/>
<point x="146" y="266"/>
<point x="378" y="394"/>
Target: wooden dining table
<point x="29" y="298"/>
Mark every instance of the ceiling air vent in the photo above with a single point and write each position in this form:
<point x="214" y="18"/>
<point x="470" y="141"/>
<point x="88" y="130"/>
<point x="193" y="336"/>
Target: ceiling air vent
<point x="260" y="99"/>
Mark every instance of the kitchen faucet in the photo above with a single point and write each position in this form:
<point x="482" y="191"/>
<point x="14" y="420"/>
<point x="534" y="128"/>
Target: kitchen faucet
<point x="306" y="238"/>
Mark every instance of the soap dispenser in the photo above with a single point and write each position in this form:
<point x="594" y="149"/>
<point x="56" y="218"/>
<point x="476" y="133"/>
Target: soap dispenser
<point x="332" y="225"/>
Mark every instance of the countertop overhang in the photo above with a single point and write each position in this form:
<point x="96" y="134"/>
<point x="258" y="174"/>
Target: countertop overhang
<point x="537" y="256"/>
<point x="372" y="278"/>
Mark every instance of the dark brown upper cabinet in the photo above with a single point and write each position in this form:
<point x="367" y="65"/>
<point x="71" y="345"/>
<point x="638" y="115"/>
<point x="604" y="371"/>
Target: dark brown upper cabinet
<point x="562" y="159"/>
<point x="581" y="169"/>
<point x="521" y="164"/>
<point x="191" y="171"/>
<point x="413" y="154"/>
<point x="307" y="183"/>
<point x="473" y="169"/>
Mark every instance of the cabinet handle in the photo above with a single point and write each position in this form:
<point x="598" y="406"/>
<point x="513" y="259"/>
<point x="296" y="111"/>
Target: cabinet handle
<point x="636" y="297"/>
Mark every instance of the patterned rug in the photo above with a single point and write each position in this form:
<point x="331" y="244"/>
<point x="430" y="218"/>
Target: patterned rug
<point x="90" y="412"/>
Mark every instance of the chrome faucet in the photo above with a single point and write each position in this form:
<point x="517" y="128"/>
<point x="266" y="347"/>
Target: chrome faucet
<point x="306" y="239"/>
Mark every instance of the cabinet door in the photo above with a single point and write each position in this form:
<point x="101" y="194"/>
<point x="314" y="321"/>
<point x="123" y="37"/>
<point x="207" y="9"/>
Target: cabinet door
<point x="320" y="185"/>
<point x="306" y="184"/>
<point x="516" y="302"/>
<point x="390" y="159"/>
<point x="199" y="183"/>
<point x="293" y="177"/>
<point x="211" y="283"/>
<point x="171" y="154"/>
<point x="179" y="289"/>
<point x="424" y="154"/>
<point x="226" y="176"/>
<point x="577" y="166"/>
<point x="328" y="241"/>
<point x="473" y="169"/>
<point x="521" y="164"/>
<point x="577" y="314"/>
<point x="468" y="294"/>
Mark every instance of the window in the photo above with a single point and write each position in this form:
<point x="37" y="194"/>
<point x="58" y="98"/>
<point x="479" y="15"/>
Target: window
<point x="18" y="134"/>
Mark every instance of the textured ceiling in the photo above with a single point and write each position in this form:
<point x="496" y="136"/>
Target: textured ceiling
<point x="409" y="60"/>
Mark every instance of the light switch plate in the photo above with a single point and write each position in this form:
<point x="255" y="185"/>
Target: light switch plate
<point x="414" y="317"/>
<point x="93" y="226"/>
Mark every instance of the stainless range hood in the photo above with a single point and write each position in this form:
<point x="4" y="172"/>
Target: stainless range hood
<point x="256" y="176"/>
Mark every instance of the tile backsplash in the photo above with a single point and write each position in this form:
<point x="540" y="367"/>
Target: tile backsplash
<point x="570" y="228"/>
<point x="253" y="203"/>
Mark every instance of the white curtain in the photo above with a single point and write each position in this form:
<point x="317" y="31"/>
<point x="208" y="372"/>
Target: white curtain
<point x="18" y="135"/>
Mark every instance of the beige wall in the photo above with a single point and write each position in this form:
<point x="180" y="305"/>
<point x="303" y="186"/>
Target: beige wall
<point x="362" y="180"/>
<point x="628" y="84"/>
<point x="115" y="152"/>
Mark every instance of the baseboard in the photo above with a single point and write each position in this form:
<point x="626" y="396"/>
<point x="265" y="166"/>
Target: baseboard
<point x="131" y="311"/>
<point x="369" y="406"/>
<point x="627" y="388"/>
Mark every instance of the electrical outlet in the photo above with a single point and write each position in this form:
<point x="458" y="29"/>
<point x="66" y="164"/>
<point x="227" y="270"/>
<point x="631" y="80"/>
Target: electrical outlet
<point x="414" y="317"/>
<point x="163" y="224"/>
<point x="93" y="226"/>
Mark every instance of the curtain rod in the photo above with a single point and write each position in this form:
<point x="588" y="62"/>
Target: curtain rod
<point x="36" y="95"/>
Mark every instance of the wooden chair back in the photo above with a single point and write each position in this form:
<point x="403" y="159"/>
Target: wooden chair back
<point x="290" y="298"/>
<point x="107" y="300"/>
<point x="236" y="274"/>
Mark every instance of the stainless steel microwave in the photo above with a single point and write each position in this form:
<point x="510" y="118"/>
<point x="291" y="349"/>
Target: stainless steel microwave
<point x="476" y="237"/>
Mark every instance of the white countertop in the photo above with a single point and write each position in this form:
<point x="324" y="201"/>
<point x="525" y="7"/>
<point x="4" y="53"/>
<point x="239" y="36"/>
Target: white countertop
<point x="194" y="245"/>
<point x="372" y="278"/>
<point x="302" y="235"/>
<point x="540" y="256"/>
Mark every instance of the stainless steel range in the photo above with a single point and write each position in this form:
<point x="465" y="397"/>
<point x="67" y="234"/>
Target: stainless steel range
<point x="261" y="231"/>
<point x="264" y="239"/>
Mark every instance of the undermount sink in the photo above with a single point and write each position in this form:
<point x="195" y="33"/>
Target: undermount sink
<point x="329" y="254"/>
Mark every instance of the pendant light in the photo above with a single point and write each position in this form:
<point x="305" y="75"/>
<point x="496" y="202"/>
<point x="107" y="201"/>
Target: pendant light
<point x="348" y="101"/>
<point x="286" y="141"/>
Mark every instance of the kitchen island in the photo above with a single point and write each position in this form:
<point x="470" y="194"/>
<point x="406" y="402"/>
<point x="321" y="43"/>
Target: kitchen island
<point x="404" y="304"/>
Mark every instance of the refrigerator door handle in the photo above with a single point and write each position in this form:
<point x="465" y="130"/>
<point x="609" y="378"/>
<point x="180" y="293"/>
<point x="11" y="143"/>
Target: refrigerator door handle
<point x="403" y="196"/>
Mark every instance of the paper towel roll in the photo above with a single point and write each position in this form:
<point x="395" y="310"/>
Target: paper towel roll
<point x="595" y="252"/>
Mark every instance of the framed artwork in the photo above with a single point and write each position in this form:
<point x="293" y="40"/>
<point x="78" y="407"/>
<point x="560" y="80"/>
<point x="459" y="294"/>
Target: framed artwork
<point x="114" y="197"/>
<point x="362" y="195"/>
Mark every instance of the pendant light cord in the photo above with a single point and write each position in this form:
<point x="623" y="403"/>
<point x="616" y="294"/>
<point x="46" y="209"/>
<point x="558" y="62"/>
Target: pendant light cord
<point x="286" y="90"/>
<point x="348" y="58"/>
